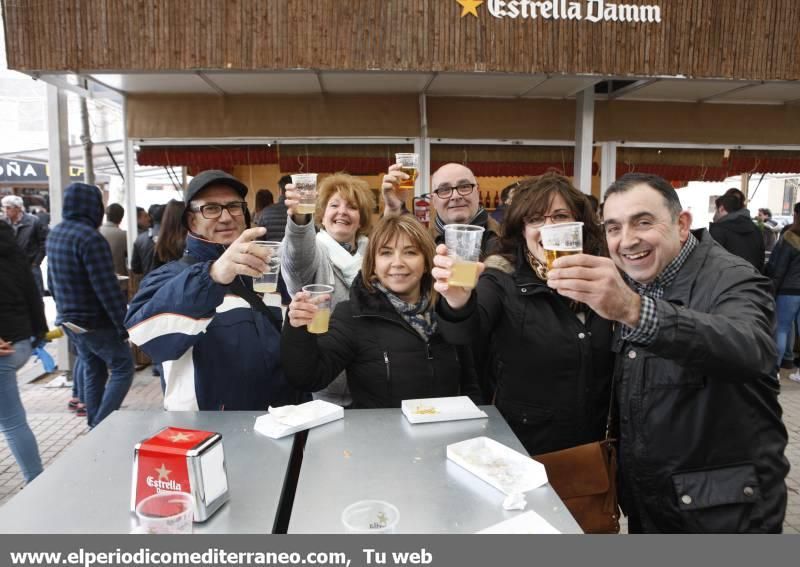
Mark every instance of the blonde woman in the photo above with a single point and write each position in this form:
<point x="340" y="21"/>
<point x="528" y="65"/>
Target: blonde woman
<point x="333" y="255"/>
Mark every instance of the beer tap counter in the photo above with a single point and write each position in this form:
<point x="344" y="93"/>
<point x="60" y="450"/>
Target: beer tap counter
<point x="291" y="484"/>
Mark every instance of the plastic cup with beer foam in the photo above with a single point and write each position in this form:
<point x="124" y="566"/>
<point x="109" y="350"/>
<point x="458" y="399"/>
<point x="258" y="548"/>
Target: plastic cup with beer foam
<point x="268" y="281"/>
<point x="166" y="513"/>
<point x="305" y="184"/>
<point x="321" y="297"/>
<point x="563" y="239"/>
<point x="409" y="164"/>
<point x="371" y="517"/>
<point x="464" y="247"/>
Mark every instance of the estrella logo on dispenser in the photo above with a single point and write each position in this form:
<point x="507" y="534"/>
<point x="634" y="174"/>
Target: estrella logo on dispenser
<point x="163" y="482"/>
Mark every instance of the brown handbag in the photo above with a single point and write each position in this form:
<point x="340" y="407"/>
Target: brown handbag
<point x="584" y="477"/>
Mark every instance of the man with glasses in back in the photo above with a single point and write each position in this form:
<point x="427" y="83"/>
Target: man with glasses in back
<point x="218" y="342"/>
<point x="455" y="197"/>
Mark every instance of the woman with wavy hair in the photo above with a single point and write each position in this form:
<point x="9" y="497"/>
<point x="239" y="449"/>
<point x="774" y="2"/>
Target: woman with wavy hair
<point x="333" y="255"/>
<point x="546" y="360"/>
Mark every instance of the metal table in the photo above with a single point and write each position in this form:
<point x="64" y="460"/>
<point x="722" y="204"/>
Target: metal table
<point x="88" y="488"/>
<point x="377" y="454"/>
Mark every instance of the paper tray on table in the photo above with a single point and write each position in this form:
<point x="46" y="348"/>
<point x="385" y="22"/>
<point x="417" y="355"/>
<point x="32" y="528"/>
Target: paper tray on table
<point x="285" y="420"/>
<point x="505" y="469"/>
<point x="426" y="410"/>
<point x="528" y="523"/>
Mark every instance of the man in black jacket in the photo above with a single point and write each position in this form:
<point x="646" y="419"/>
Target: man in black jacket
<point x="30" y="233"/>
<point x="701" y="437"/>
<point x="737" y="232"/>
<point x="143" y="259"/>
<point x="273" y="218"/>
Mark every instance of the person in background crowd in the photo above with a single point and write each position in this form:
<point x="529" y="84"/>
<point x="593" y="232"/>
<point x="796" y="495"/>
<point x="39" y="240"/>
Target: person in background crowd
<point x="90" y="303"/>
<point x="701" y="437"/>
<point x="455" y="197"/>
<point x="30" y="235"/>
<point x="331" y="256"/>
<point x="143" y="221"/>
<point x="506" y="195"/>
<point x="768" y="228"/>
<point x="172" y="235"/>
<point x="143" y="259"/>
<point x="784" y="270"/>
<point x="273" y="218"/>
<point x="547" y="361"/>
<point x="199" y="316"/>
<point x="44" y="216"/>
<point x="736" y="231"/>
<point x="264" y="200"/>
<point x="116" y="237"/>
<point x="386" y="335"/>
<point x="22" y="324"/>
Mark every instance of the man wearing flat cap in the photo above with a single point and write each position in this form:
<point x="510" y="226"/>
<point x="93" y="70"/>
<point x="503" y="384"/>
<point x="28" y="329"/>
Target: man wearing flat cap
<point x="218" y="342"/>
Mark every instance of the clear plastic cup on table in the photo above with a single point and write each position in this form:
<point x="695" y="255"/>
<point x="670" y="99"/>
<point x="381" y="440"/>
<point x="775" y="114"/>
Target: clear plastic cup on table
<point x="166" y="513"/>
<point x="563" y="239"/>
<point x="464" y="247"/>
<point x="268" y="281"/>
<point x="305" y="184"/>
<point x="321" y="297"/>
<point x="371" y="517"/>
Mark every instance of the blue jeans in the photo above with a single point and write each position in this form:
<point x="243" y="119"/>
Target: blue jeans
<point x="787" y="311"/>
<point x="100" y="350"/>
<point x="77" y="373"/>
<point x="13" y="422"/>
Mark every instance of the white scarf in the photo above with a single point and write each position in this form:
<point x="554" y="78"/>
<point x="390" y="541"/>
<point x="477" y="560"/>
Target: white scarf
<point x="345" y="264"/>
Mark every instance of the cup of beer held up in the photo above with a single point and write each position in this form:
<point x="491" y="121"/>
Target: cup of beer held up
<point x="464" y="247"/>
<point x="409" y="164"/>
<point x="268" y="281"/>
<point x="318" y="292"/>
<point x="563" y="239"/>
<point x="305" y="184"/>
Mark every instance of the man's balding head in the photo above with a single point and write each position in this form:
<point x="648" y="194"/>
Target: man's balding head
<point x="455" y="208"/>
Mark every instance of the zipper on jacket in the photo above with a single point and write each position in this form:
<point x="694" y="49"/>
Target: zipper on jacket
<point x="388" y="373"/>
<point x="428" y="351"/>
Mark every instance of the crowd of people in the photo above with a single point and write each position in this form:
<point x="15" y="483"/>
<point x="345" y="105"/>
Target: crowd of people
<point x="654" y="322"/>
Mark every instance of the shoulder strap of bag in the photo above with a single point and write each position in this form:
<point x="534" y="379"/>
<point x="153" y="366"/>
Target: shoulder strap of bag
<point x="237" y="287"/>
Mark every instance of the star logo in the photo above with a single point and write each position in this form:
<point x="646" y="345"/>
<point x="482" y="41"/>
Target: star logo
<point x="178" y="437"/>
<point x="469" y="7"/>
<point x="163" y="473"/>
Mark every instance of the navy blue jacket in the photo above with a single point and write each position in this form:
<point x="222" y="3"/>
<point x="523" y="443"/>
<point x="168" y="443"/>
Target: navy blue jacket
<point x="80" y="270"/>
<point x="218" y="352"/>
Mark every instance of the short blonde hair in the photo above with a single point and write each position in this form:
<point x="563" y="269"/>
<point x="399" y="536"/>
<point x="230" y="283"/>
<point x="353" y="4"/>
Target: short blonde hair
<point x="389" y="228"/>
<point x="353" y="190"/>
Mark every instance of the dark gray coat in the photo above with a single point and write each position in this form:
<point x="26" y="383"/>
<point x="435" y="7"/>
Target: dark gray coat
<point x="701" y="436"/>
<point x="273" y="218"/>
<point x="31" y="235"/>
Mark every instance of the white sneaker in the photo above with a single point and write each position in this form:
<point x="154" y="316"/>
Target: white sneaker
<point x="795" y="376"/>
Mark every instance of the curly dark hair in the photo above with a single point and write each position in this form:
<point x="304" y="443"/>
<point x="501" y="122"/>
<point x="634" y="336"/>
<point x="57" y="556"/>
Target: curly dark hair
<point x="533" y="197"/>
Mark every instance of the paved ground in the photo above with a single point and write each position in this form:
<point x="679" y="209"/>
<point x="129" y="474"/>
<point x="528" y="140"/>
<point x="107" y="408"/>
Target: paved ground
<point x="56" y="428"/>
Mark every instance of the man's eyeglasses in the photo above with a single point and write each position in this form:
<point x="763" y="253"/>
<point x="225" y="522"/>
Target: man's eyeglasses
<point x="557" y="218"/>
<point x="463" y="189"/>
<point x="214" y="210"/>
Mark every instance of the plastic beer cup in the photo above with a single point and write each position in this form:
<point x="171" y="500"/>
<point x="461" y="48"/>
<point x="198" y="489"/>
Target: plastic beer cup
<point x="464" y="247"/>
<point x="319" y="324"/>
<point x="268" y="281"/>
<point x="563" y="239"/>
<point x="306" y="186"/>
